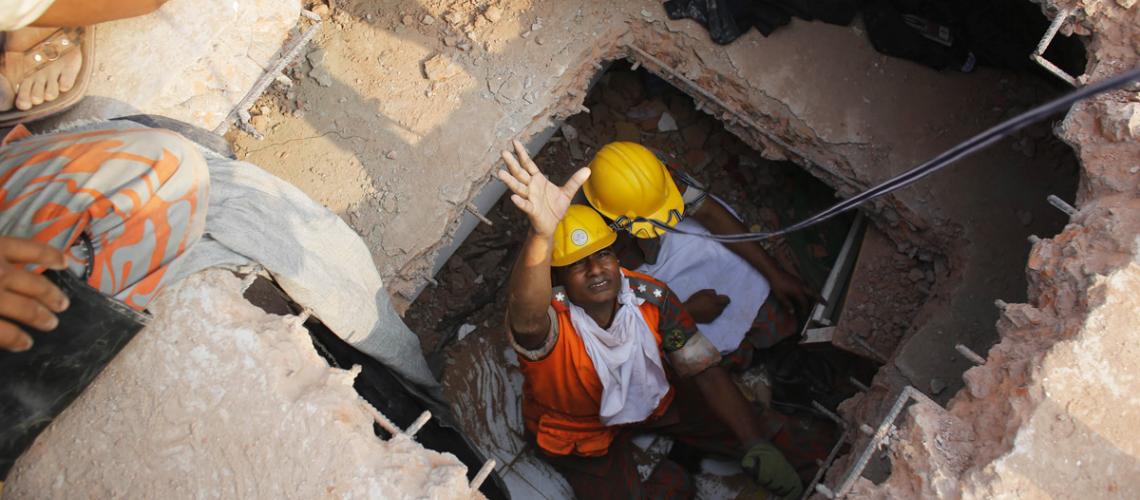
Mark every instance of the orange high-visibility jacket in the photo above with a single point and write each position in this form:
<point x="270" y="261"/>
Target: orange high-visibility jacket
<point x="562" y="393"/>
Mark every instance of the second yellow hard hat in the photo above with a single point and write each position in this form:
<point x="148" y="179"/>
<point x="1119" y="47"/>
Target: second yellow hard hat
<point x="628" y="181"/>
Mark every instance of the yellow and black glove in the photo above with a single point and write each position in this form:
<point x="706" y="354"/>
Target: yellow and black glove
<point x="772" y="471"/>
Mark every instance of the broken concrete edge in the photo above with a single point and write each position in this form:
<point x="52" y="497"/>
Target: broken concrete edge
<point x="275" y="72"/>
<point x="946" y="453"/>
<point x="755" y="128"/>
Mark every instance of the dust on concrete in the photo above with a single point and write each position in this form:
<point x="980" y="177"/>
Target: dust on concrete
<point x="397" y="150"/>
<point x="217" y="398"/>
<point x="1048" y="412"/>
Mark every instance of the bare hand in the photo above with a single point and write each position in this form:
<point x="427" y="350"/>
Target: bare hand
<point x="543" y="202"/>
<point x="793" y="294"/>
<point x="27" y="296"/>
<point x="705" y="306"/>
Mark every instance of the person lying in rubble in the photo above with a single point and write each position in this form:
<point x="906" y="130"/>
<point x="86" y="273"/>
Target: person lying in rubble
<point x="118" y="205"/>
<point x="741" y="297"/>
<point x="609" y="352"/>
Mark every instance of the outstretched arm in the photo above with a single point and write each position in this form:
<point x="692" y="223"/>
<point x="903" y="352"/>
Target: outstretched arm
<point x="529" y="288"/>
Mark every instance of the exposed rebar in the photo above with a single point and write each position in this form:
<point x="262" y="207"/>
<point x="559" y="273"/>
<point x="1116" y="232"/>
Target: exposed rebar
<point x="1061" y="205"/>
<point x="969" y="354"/>
<point x="485" y="471"/>
<point x="418" y="424"/>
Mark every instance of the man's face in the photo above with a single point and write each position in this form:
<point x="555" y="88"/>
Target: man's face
<point x="592" y="280"/>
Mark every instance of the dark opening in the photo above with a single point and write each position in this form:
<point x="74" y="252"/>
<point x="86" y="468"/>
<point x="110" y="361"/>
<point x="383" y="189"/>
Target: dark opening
<point x="464" y="313"/>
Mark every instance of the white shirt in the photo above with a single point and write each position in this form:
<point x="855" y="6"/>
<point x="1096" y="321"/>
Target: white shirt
<point x="689" y="264"/>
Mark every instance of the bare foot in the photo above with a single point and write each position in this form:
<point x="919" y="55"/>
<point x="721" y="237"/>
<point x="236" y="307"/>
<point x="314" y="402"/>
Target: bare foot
<point x="43" y="85"/>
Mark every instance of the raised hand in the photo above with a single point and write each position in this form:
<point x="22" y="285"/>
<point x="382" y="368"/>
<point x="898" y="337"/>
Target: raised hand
<point x="543" y="202"/>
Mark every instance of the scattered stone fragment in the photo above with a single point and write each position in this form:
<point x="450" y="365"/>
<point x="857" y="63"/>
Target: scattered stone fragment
<point x="427" y="20"/>
<point x="915" y="275"/>
<point x="440" y="68"/>
<point x="391" y="155"/>
<point x="666" y="123"/>
<point x="937" y="386"/>
<point x="1121" y="122"/>
<point x="493" y="14"/>
<point x="321" y="76"/>
<point x="406" y="20"/>
<point x="259" y="122"/>
<point x="316" y="57"/>
<point x="464" y="330"/>
<point x="454" y="18"/>
<point x="321" y="10"/>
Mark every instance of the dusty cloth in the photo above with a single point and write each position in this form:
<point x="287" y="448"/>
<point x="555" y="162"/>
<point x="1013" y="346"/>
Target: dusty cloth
<point x="255" y="217"/>
<point x="626" y="359"/>
<point x="691" y="263"/>
<point x="16" y="14"/>
<point x="137" y="194"/>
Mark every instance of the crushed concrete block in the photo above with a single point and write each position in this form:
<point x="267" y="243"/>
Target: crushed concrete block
<point x="1121" y="122"/>
<point x="1127" y="4"/>
<point x="915" y="275"/>
<point x="464" y="330"/>
<point x="427" y="20"/>
<point x="666" y="123"/>
<point x="455" y="18"/>
<point x="321" y="76"/>
<point x="322" y="10"/>
<point x="647" y="110"/>
<point x="493" y="14"/>
<point x="316" y="57"/>
<point x="440" y="68"/>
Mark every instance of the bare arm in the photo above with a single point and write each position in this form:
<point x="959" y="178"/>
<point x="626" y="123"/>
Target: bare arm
<point x="544" y="203"/>
<point x="727" y="403"/>
<point x="792" y="293"/>
<point x="69" y="13"/>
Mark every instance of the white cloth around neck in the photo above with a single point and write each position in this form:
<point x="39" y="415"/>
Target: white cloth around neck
<point x="626" y="358"/>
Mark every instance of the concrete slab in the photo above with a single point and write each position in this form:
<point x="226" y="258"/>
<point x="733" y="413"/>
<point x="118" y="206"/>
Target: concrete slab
<point x="190" y="60"/>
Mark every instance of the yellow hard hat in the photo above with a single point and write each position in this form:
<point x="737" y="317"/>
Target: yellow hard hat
<point x="580" y="233"/>
<point x="627" y="181"/>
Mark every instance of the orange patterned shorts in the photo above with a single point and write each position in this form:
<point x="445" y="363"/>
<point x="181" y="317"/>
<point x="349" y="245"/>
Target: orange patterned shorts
<point x="134" y="198"/>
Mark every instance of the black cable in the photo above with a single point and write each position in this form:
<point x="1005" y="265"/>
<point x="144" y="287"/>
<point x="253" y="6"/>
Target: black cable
<point x="961" y="150"/>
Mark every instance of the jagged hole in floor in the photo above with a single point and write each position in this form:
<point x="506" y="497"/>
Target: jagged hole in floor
<point x="460" y="320"/>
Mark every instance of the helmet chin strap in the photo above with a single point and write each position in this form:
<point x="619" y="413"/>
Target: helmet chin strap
<point x="948" y="157"/>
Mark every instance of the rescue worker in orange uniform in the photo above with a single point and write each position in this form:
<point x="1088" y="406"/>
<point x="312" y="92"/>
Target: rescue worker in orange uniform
<point x="608" y="352"/>
<point x="741" y="297"/>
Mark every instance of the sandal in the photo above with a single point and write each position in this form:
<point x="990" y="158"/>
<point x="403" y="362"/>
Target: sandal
<point x="44" y="53"/>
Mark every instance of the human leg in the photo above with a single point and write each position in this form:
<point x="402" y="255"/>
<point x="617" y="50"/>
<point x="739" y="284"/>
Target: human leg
<point x="138" y="193"/>
<point x="610" y="476"/>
